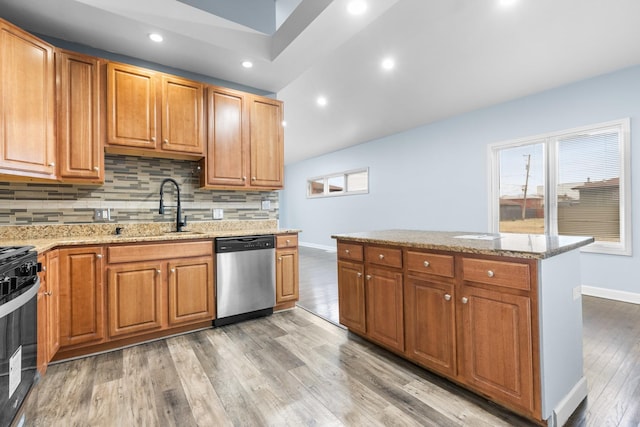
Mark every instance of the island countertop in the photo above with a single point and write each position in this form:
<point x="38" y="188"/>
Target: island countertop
<point x="532" y="246"/>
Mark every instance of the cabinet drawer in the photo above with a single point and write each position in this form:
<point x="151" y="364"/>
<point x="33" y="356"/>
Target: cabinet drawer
<point x="350" y="251"/>
<point x="389" y="257"/>
<point x="424" y="262"/>
<point x="287" y="241"/>
<point x="498" y="273"/>
<point x="157" y="251"/>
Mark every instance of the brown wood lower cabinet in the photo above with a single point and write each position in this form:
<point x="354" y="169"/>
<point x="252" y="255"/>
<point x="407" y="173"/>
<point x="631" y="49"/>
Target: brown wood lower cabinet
<point x="430" y="324"/>
<point x="418" y="304"/>
<point x="287" y="282"/>
<point x="191" y="290"/>
<point x="81" y="296"/>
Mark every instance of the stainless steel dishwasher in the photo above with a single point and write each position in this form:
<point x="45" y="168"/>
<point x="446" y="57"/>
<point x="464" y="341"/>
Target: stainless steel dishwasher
<point x="245" y="278"/>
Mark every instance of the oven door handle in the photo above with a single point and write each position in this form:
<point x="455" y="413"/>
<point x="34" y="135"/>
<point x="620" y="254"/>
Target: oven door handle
<point x="16" y="303"/>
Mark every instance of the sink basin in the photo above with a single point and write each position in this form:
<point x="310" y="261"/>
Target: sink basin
<point x="160" y="233"/>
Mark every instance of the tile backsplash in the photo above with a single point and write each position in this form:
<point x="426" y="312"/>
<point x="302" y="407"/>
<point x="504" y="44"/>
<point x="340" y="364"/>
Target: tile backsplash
<point x="132" y="191"/>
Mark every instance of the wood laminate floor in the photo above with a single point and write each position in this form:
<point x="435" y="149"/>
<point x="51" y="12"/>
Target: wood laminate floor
<point x="294" y="368"/>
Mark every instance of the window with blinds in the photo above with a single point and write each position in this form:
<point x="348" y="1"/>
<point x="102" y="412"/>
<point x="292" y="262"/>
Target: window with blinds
<point x="571" y="183"/>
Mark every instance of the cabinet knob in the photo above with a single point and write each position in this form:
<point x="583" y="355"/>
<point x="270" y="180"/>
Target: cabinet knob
<point x="368" y="276"/>
<point x="99" y="256"/>
<point x="359" y="274"/>
<point x="490" y="273"/>
<point x="465" y="300"/>
<point x="426" y="264"/>
<point x="381" y="256"/>
<point x="279" y="258"/>
<point x="44" y="268"/>
<point x="244" y="178"/>
<point x="158" y="271"/>
<point x="165" y="141"/>
<point x="288" y="241"/>
<point x="347" y="251"/>
<point x="95" y="168"/>
<point x="153" y="138"/>
<point x="173" y="270"/>
<point x="48" y="293"/>
<point x="253" y="178"/>
<point x="52" y="164"/>
<point x="447" y="297"/>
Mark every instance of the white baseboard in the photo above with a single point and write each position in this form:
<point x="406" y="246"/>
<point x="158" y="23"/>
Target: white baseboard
<point x="613" y="294"/>
<point x="565" y="408"/>
<point x="316" y="246"/>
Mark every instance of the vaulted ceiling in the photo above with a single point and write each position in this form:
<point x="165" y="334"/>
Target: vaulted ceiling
<point x="449" y="56"/>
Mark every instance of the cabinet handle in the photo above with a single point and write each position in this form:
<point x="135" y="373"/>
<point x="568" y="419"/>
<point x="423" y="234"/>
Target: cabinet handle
<point x="244" y="178"/>
<point x="279" y="258"/>
<point x="465" y="300"/>
<point x="166" y="141"/>
<point x="490" y="273"/>
<point x="288" y="242"/>
<point x="52" y="164"/>
<point x="359" y="274"/>
<point x="447" y="297"/>
<point x="368" y="276"/>
<point x="347" y="251"/>
<point x="99" y="256"/>
<point x="381" y="256"/>
<point x="95" y="168"/>
<point x="426" y="264"/>
<point x="153" y="138"/>
<point x="173" y="270"/>
<point x="253" y="178"/>
<point x="44" y="268"/>
<point x="48" y="293"/>
<point x="158" y="271"/>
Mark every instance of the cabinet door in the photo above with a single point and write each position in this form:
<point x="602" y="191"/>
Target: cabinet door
<point x="53" y="303"/>
<point x="497" y="344"/>
<point x="182" y="115"/>
<point x="27" y="139"/>
<point x="267" y="143"/>
<point x="430" y="324"/>
<point x="81" y="296"/>
<point x="191" y="290"/>
<point x="80" y="154"/>
<point x="135" y="298"/>
<point x="227" y="161"/>
<point x="41" y="356"/>
<point x="131" y="106"/>
<point x="385" y="319"/>
<point x="286" y="275"/>
<point x="351" y="296"/>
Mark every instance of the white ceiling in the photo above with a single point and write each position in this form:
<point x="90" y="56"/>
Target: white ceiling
<point x="452" y="56"/>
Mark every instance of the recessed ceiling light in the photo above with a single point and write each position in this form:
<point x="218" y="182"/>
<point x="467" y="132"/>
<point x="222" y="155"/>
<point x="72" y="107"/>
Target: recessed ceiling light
<point x="507" y="2"/>
<point x="357" y="7"/>
<point x="388" y="64"/>
<point x="247" y="64"/>
<point x="156" y="37"/>
<point x="322" y="101"/>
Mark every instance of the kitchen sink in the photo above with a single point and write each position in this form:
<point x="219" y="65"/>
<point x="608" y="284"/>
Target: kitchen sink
<point x="153" y="233"/>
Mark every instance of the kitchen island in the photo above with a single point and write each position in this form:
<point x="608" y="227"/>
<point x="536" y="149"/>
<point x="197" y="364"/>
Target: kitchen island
<point x="499" y="314"/>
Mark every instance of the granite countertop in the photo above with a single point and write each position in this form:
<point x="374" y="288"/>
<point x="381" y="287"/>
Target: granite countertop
<point x="46" y="237"/>
<point x="536" y="246"/>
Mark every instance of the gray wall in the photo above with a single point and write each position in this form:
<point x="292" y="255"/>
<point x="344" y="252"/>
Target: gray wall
<point x="435" y="177"/>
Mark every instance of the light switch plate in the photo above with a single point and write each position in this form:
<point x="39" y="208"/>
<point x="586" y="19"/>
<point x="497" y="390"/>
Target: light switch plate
<point x="266" y="205"/>
<point x="218" y="213"/>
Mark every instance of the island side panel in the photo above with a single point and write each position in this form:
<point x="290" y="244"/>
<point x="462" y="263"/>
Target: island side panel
<point x="561" y="355"/>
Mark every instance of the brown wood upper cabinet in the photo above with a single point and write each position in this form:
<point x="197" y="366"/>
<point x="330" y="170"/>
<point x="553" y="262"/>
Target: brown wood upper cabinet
<point x="245" y="141"/>
<point x="80" y="152"/>
<point x="27" y="138"/>
<point x="153" y="114"/>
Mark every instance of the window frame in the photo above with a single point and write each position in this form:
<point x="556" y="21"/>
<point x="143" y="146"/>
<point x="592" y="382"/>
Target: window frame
<point x="550" y="143"/>
<point x="326" y="189"/>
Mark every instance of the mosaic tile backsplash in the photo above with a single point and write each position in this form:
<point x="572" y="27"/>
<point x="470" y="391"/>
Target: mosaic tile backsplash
<point x="132" y="191"/>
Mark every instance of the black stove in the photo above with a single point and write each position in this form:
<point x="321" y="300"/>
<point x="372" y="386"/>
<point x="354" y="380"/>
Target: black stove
<point x="18" y="271"/>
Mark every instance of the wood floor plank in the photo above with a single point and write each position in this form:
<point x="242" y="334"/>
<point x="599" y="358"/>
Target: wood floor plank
<point x="137" y="386"/>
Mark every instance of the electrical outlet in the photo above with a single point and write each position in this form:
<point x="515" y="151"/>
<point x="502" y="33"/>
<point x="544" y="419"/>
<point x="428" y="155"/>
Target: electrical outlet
<point x="102" y="214"/>
<point x="218" y="213"/>
<point x="266" y="205"/>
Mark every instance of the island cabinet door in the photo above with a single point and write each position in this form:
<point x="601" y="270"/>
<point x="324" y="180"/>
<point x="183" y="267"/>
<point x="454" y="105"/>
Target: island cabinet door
<point x="497" y="345"/>
<point x="385" y="318"/>
<point x="430" y="324"/>
<point x="135" y="298"/>
<point x="351" y="296"/>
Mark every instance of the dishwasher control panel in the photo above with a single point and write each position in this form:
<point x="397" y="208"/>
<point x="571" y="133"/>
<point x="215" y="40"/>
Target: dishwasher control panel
<point x="244" y="243"/>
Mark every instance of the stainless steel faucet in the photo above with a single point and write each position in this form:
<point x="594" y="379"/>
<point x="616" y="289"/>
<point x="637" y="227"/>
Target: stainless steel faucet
<point x="179" y="222"/>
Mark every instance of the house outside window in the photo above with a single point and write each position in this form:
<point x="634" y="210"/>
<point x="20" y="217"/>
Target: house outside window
<point x="574" y="182"/>
<point x="339" y="184"/>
